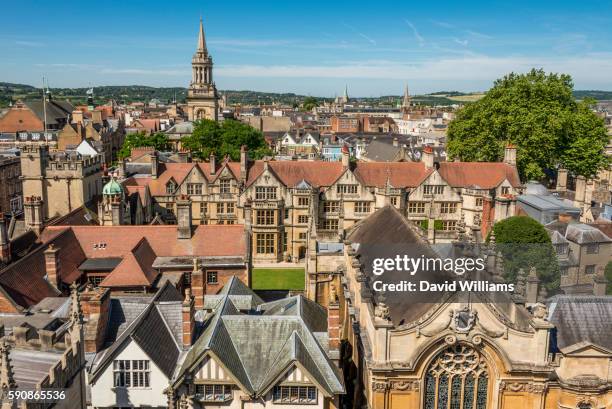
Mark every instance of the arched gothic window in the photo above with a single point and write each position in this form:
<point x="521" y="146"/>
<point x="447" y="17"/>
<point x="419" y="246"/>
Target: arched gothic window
<point x="457" y="379"/>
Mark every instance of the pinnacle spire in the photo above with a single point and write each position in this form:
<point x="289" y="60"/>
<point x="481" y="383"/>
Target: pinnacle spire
<point x="7" y="376"/>
<point x="201" y="39"/>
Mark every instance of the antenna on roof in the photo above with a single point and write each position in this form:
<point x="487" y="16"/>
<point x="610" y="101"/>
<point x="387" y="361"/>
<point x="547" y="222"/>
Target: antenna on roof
<point x="44" y="102"/>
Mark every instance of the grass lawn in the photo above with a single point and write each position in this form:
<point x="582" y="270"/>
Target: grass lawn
<point x="278" y="279"/>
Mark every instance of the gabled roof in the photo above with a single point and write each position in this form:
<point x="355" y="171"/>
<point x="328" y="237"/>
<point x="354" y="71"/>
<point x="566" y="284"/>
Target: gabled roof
<point x="151" y="330"/>
<point x="136" y="268"/>
<point x="24" y="281"/>
<point x="259" y="348"/>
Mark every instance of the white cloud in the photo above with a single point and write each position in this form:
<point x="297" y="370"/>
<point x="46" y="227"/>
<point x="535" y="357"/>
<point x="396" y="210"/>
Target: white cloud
<point x="587" y="68"/>
<point x="141" y="71"/>
<point x="463" y="43"/>
<point x="418" y="36"/>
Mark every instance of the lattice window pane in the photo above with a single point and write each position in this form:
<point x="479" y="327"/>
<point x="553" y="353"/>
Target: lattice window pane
<point x="481" y="397"/>
<point x="430" y="392"/>
<point x="468" y="392"/>
<point x="455" y="402"/>
<point x="443" y="392"/>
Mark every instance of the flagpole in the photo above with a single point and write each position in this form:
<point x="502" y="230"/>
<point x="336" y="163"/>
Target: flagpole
<point x="44" y="109"/>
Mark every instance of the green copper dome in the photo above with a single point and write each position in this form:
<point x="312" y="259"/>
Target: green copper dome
<point x="112" y="188"/>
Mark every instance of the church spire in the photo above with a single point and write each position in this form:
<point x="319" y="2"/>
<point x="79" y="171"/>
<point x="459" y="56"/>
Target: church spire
<point x="406" y="101"/>
<point x="201" y="39"/>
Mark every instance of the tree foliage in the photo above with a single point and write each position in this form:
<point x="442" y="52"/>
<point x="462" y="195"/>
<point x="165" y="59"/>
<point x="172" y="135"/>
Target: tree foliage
<point x="524" y="243"/>
<point x="225" y="138"/>
<point x="158" y="140"/>
<point x="538" y="113"/>
<point x="310" y="103"/>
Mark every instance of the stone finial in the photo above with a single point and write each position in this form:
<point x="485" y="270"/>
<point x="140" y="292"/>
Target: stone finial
<point x="7" y="376"/>
<point x="539" y="311"/>
<point x="542" y="294"/>
<point x="381" y="310"/>
<point x="196" y="264"/>
<point x="76" y="313"/>
<point x="520" y="283"/>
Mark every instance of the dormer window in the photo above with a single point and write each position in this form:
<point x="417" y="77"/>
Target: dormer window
<point x="170" y="187"/>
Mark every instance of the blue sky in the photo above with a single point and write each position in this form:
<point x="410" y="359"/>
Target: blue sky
<point x="313" y="47"/>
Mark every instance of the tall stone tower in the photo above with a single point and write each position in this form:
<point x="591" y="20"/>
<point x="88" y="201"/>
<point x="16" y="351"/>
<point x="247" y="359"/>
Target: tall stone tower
<point x="202" y="97"/>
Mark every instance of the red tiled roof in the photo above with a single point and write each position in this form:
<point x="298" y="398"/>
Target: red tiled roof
<point x="136" y="268"/>
<point x="24" y="281"/>
<point x="400" y="174"/>
<point x="319" y="173"/>
<point x="20" y="118"/>
<point x="207" y="240"/>
<point x="485" y="175"/>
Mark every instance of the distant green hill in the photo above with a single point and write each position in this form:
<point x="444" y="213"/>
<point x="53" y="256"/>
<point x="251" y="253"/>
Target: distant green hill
<point x="131" y="93"/>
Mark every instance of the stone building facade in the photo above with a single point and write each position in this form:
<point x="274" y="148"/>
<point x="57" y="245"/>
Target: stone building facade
<point x="467" y="350"/>
<point x="285" y="202"/>
<point x="61" y="181"/>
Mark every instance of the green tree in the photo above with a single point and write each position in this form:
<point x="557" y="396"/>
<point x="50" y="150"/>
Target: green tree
<point x="157" y="140"/>
<point x="310" y="103"/>
<point x="225" y="139"/>
<point x="524" y="243"/>
<point x="538" y="113"/>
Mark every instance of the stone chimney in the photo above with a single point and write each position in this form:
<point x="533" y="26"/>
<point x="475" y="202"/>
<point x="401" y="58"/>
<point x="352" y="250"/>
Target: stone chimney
<point x="33" y="209"/>
<point x="600" y="283"/>
<point x="96" y="116"/>
<point x="510" y="154"/>
<point x="122" y="168"/>
<point x="248" y="215"/>
<point x="212" y="162"/>
<point x="77" y="117"/>
<point x="188" y="321"/>
<point x="116" y="212"/>
<point x="198" y="288"/>
<point x="5" y="242"/>
<point x="333" y="319"/>
<point x="52" y="266"/>
<point x="95" y="303"/>
<point x="183" y="217"/>
<point x="154" y="165"/>
<point x="532" y="287"/>
<point x="580" y="191"/>
<point x="244" y="158"/>
<point x="428" y="157"/>
<point x="346" y="157"/>
<point x="561" y="180"/>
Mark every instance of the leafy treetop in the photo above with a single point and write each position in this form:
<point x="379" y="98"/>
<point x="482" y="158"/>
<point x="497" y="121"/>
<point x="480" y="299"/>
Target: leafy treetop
<point x="538" y="113"/>
<point x="225" y="139"/>
<point x="157" y="140"/>
<point x="524" y="243"/>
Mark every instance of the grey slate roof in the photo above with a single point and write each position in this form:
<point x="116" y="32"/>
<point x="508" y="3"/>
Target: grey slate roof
<point x="382" y="151"/>
<point x="581" y="318"/>
<point x="386" y="234"/>
<point x="579" y="232"/>
<point x="156" y="329"/>
<point x="258" y="348"/>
